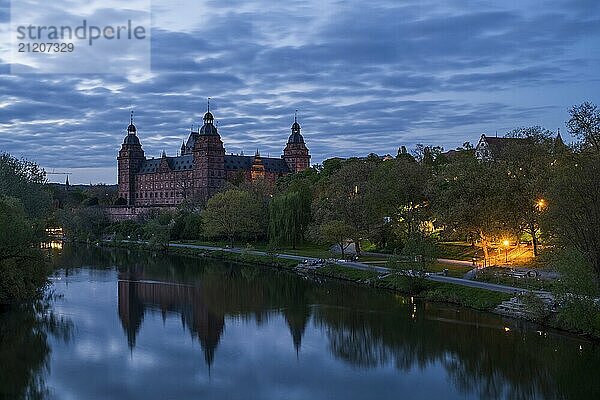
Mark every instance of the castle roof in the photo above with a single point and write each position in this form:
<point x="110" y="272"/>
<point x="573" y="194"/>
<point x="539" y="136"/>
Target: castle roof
<point x="231" y="163"/>
<point x="131" y="139"/>
<point x="276" y="165"/>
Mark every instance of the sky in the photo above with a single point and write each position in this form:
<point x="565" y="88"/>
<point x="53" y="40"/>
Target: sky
<point x="364" y="76"/>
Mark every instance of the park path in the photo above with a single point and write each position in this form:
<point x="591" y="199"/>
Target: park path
<point x="366" y="267"/>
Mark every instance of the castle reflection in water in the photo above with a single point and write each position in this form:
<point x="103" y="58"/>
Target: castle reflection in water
<point x="138" y="296"/>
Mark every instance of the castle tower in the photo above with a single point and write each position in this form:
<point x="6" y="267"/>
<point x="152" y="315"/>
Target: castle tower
<point x="257" y="171"/>
<point x="209" y="159"/>
<point x="131" y="157"/>
<point x="296" y="153"/>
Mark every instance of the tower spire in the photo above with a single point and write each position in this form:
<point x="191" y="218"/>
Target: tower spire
<point x="296" y="116"/>
<point x="131" y="128"/>
<point x="208" y="105"/>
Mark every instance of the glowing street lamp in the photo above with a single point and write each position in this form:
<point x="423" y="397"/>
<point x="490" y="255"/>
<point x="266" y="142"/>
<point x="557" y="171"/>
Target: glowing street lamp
<point x="541" y="204"/>
<point x="506" y="243"/>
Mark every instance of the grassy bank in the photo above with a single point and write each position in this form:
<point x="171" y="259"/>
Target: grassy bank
<point x="498" y="276"/>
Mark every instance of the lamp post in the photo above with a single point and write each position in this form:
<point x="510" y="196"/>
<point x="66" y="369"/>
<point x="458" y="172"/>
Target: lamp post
<point x="506" y="244"/>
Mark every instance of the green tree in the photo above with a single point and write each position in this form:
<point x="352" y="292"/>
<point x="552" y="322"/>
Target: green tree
<point x="233" y="214"/>
<point x="401" y="196"/>
<point x="470" y="198"/>
<point x="335" y="232"/>
<point x="348" y="195"/>
<point x="289" y="216"/>
<point x="85" y="223"/>
<point x="573" y="214"/>
<point x="23" y="270"/>
<point x="585" y="125"/>
<point x="158" y="233"/>
<point x="528" y="165"/>
<point x="25" y="181"/>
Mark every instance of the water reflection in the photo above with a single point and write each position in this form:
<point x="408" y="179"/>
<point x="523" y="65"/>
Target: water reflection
<point x="265" y="334"/>
<point x="135" y="297"/>
<point x="25" y="351"/>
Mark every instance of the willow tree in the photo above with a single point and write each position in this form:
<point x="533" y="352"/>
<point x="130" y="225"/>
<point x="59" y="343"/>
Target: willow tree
<point x="289" y="216"/>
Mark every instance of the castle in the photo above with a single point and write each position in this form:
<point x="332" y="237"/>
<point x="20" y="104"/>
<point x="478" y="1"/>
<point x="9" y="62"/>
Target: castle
<point x="200" y="170"/>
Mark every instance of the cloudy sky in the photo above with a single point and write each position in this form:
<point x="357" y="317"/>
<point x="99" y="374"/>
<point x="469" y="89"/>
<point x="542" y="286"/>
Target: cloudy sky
<point x="365" y="77"/>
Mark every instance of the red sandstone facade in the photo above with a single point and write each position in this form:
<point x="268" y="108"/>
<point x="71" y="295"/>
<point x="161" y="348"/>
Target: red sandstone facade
<point x="201" y="169"/>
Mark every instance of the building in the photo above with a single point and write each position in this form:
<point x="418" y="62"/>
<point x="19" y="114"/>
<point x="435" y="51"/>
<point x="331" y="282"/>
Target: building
<point x="493" y="148"/>
<point x="490" y="148"/>
<point x="201" y="168"/>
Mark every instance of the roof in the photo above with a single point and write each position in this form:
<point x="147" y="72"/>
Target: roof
<point x="493" y="147"/>
<point x="208" y="129"/>
<point x="295" y="137"/>
<point x="231" y="163"/>
<point x="180" y="163"/>
<point x="131" y="139"/>
<point x="497" y="145"/>
<point x="276" y="165"/>
<point x="191" y="142"/>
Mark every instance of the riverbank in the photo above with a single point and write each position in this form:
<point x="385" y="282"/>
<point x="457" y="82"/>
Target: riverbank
<point x="471" y="294"/>
<point x="377" y="277"/>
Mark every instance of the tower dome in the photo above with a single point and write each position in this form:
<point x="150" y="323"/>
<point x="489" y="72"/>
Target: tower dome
<point x="296" y="136"/>
<point x="131" y="137"/>
<point x="208" y="128"/>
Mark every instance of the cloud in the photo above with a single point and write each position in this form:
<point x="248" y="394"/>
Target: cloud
<point x="365" y="78"/>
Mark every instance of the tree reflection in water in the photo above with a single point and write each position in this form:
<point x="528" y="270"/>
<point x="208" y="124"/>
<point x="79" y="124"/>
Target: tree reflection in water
<point x="24" y="348"/>
<point x="362" y="327"/>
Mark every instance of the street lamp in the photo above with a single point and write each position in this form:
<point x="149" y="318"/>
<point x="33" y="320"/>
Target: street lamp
<point x="541" y="204"/>
<point x="506" y="243"/>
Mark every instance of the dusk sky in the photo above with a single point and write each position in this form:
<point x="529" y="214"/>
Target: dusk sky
<point x="365" y="77"/>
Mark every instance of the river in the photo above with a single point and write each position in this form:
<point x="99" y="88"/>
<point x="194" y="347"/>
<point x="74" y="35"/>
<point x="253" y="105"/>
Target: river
<point x="122" y="324"/>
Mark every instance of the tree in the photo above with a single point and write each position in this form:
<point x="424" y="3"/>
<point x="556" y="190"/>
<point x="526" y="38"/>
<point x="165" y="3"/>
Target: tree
<point x="470" y="198"/>
<point x="158" y="234"/>
<point x="401" y="196"/>
<point x="348" y="195"/>
<point x="574" y="206"/>
<point x="289" y="216"/>
<point x="528" y="165"/>
<point x="23" y="271"/>
<point x="416" y="257"/>
<point x="25" y="181"/>
<point x="335" y="232"/>
<point x="233" y="214"/>
<point x="85" y="223"/>
<point x="585" y="125"/>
